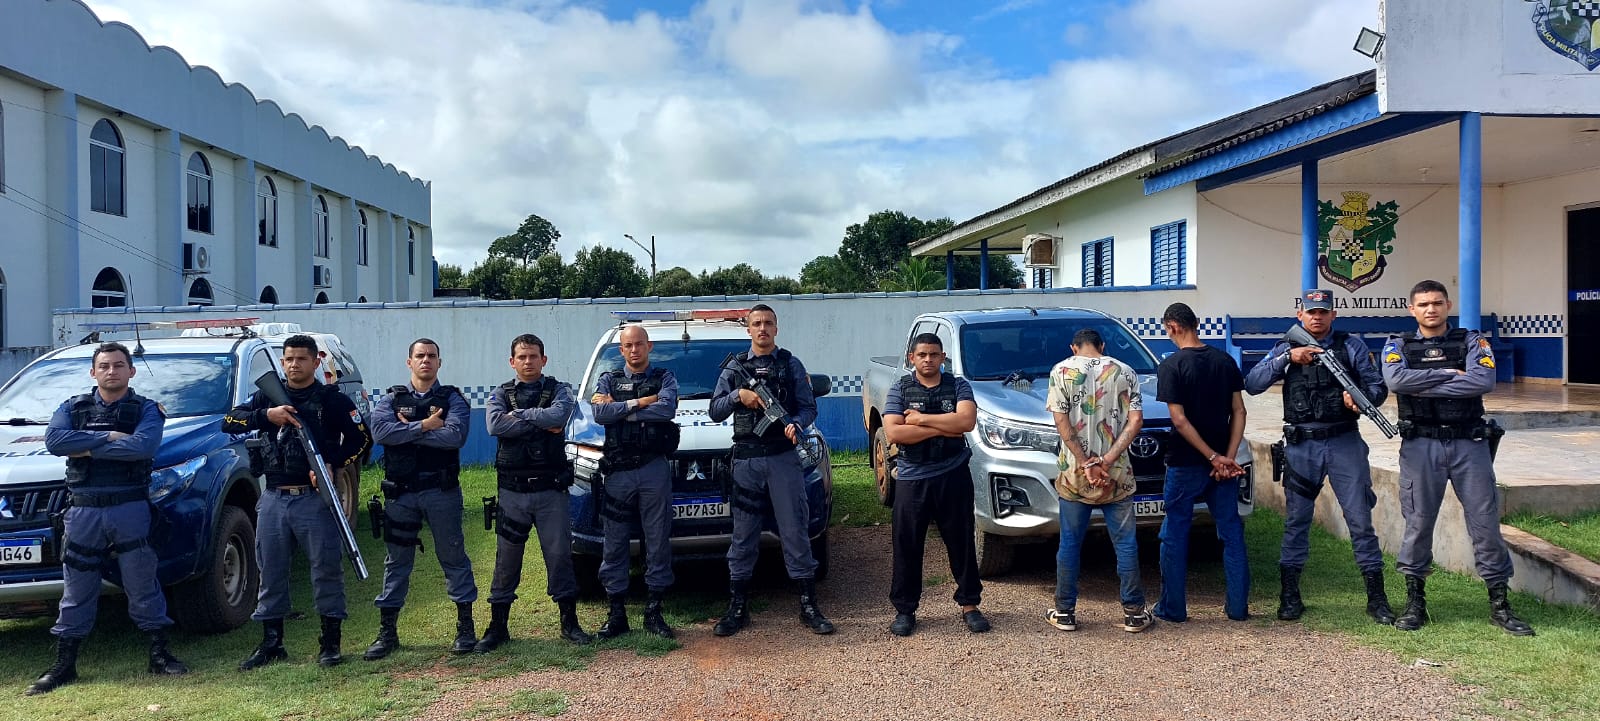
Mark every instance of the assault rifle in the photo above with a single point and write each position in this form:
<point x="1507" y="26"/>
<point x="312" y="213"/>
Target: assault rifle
<point x="278" y="394"/>
<point x="1298" y="336"/>
<point x="772" y="411"/>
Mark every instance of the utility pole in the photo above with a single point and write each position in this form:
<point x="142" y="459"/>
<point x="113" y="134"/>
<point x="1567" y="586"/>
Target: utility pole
<point x="651" y="250"/>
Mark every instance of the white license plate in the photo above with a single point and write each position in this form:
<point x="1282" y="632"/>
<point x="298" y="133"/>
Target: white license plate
<point x="700" y="510"/>
<point x="21" y="552"/>
<point x="1150" y="508"/>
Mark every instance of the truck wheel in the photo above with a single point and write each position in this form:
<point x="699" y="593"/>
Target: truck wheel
<point x="222" y="597"/>
<point x="994" y="554"/>
<point x="348" y="482"/>
<point x="819" y="551"/>
<point x="882" y="452"/>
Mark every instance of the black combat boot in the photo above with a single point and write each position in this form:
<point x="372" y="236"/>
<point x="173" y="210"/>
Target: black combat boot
<point x="466" y="631"/>
<point x="1377" y="599"/>
<point x="63" y="671"/>
<point x="738" y="613"/>
<point x="617" y="620"/>
<point x="1415" y="614"/>
<point x="810" y="615"/>
<point x="328" y="654"/>
<point x="1500" y="612"/>
<point x="570" y="629"/>
<point x="1290" y="607"/>
<point x="497" y="633"/>
<point x="388" y="640"/>
<point x="271" y="648"/>
<point x="653" y="622"/>
<point x="162" y="662"/>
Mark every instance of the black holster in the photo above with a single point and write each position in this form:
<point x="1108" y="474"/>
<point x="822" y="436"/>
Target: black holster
<point x="491" y="511"/>
<point x="376" y="516"/>
<point x="58" y="524"/>
<point x="1283" y="472"/>
<point x="1495" y="433"/>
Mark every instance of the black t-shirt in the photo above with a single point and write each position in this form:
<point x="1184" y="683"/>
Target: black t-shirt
<point x="1203" y="381"/>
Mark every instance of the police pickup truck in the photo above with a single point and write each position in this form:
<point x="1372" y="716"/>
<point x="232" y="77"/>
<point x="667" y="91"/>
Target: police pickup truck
<point x="201" y="487"/>
<point x="691" y="344"/>
<point x="1006" y="354"/>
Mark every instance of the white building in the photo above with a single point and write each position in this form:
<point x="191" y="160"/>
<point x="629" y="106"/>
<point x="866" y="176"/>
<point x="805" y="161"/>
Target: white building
<point x="128" y="175"/>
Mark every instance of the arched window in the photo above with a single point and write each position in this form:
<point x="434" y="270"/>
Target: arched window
<point x="266" y="213"/>
<point x="106" y="171"/>
<point x="269" y="295"/>
<point x="362" y="299"/>
<point x="320" y="237"/>
<point x="109" y="290"/>
<point x="411" y="250"/>
<point x="361" y="238"/>
<point x="200" y="293"/>
<point x="199" y="182"/>
<point x="322" y="298"/>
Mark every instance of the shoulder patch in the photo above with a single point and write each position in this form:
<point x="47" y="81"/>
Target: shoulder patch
<point x="162" y="409"/>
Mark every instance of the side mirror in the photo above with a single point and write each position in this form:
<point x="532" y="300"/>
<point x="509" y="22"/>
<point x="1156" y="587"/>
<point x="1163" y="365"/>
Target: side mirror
<point x="821" y="385"/>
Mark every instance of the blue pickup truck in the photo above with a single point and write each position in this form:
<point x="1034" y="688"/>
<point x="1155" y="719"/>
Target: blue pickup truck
<point x="201" y="486"/>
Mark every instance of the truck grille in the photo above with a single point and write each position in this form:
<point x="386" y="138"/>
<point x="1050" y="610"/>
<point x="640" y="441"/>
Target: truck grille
<point x="27" y="507"/>
<point x="1149" y="455"/>
<point x="701" y="473"/>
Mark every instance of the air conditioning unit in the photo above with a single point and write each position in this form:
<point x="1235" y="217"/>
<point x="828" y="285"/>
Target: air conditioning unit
<point x="1039" y="250"/>
<point x="196" y="259"/>
<point x="321" y="276"/>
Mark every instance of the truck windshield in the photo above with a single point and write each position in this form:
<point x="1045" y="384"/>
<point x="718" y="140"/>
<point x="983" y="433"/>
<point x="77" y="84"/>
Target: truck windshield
<point x="695" y="364"/>
<point x="995" y="351"/>
<point x="185" y="385"/>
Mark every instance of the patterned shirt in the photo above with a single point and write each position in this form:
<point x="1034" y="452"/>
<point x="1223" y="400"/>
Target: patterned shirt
<point x="1097" y="395"/>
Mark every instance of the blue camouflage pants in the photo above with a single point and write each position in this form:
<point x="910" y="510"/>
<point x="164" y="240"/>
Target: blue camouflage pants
<point x="93" y="535"/>
<point x="779" y="481"/>
<point x="1343" y="460"/>
<point x="1426" y="464"/>
<point x="442" y="510"/>
<point x="285" y="522"/>
<point x="646" y="493"/>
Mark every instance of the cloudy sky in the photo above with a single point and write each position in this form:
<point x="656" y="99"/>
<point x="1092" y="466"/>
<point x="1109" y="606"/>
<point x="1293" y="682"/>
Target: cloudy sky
<point x="748" y="130"/>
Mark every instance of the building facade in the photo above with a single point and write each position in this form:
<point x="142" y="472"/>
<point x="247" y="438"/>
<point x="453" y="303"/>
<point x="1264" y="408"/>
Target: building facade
<point x="129" y="177"/>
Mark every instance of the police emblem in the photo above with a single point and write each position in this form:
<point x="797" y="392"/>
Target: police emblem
<point x="1355" y="239"/>
<point x="1433" y="353"/>
<point x="949" y="406"/>
<point x="1570" y="28"/>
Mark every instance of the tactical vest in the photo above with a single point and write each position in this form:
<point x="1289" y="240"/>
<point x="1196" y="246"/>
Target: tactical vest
<point x="283" y="457"/>
<point x="933" y="401"/>
<point x="1447" y="351"/>
<point x="775" y="371"/>
<point x="88" y="473"/>
<point x="631" y="444"/>
<point x="413" y="466"/>
<point x="1312" y="395"/>
<point x="541" y="456"/>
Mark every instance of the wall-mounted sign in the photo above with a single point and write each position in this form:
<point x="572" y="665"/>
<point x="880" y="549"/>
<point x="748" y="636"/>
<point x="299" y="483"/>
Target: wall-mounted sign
<point x="1354" y="239"/>
<point x="1569" y="28"/>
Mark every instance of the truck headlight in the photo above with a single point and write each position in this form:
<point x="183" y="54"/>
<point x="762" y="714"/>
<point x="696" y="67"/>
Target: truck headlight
<point x="167" y="481"/>
<point x="1002" y="434"/>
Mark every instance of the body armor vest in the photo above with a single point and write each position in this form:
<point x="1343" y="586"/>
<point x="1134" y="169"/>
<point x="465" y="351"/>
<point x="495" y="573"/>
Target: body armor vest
<point x="1312" y="395"/>
<point x="631" y="444"/>
<point x="88" y="473"/>
<point x="774" y="370"/>
<point x="1446" y="351"/>
<point x="283" y="458"/>
<point x="413" y="466"/>
<point x="540" y="456"/>
<point x="922" y="399"/>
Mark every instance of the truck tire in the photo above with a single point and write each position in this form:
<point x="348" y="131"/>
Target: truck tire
<point x="995" y="554"/>
<point x="221" y="598"/>
<point x="347" y="481"/>
<point x="819" y="551"/>
<point x="882" y="452"/>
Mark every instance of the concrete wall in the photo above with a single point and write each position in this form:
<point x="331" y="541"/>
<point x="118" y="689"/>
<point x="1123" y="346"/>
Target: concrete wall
<point x="24" y="221"/>
<point x="14" y="359"/>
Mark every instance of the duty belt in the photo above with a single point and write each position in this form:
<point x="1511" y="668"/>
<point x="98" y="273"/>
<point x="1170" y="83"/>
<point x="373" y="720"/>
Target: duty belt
<point x="423" y="482"/>
<point x="761" y="450"/>
<point x="1476" y="432"/>
<point x="528" y="484"/>
<point x="104" y="499"/>
<point x="293" y="490"/>
<point x="1293" y="434"/>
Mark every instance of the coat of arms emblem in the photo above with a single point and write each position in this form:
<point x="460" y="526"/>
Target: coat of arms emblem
<point x="1571" y="28"/>
<point x="1355" y="237"/>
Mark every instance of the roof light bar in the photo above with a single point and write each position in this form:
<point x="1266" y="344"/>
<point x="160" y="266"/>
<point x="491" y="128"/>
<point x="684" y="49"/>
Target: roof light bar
<point x="121" y="326"/>
<point x="634" y="316"/>
<point x="216" y="323"/>
<point x="722" y="314"/>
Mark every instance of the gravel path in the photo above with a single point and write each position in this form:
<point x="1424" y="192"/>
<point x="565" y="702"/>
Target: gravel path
<point x="1208" y="668"/>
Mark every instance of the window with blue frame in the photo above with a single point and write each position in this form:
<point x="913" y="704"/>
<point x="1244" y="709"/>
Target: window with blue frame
<point x="1169" y="253"/>
<point x="1097" y="263"/>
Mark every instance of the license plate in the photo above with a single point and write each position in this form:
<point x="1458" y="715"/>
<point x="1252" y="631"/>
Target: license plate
<point x="693" y="511"/>
<point x="1150" y="508"/>
<point x="21" y="552"/>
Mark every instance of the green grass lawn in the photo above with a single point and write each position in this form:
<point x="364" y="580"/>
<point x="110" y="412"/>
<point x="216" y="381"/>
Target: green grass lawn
<point x="1579" y="534"/>
<point x="855" y="493"/>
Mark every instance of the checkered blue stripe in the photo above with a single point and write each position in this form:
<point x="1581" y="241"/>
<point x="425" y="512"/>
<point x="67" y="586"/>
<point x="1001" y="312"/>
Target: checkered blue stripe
<point x="1532" y="325"/>
<point x="478" y="396"/>
<point x="847" y="385"/>
<point x="1151" y="327"/>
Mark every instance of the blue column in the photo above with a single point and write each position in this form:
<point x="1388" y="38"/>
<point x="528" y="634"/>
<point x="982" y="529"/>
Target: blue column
<point x="1470" y="221"/>
<point x="983" y="265"/>
<point x="1308" y="224"/>
<point x="950" y="270"/>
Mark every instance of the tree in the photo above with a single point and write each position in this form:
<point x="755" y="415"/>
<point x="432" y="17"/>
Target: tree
<point x="1003" y="272"/>
<point x="741" y="279"/>
<point x="780" y="285"/>
<point x="535" y="237"/>
<point x="675" y="281"/>
<point x="451" y="276"/>
<point x="544" y="279"/>
<point x="602" y="272"/>
<point x="913" y="274"/>
<point x="495" y="278"/>
<point x="874" y="247"/>
<point x="830" y="274"/>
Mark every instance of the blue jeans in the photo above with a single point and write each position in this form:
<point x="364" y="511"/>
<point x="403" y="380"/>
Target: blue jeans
<point x="1186" y="485"/>
<point x="1069" y="558"/>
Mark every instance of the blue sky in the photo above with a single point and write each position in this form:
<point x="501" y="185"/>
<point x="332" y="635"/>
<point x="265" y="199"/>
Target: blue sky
<point x="748" y="130"/>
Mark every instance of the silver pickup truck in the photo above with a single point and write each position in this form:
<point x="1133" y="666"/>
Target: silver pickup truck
<point x="1006" y="354"/>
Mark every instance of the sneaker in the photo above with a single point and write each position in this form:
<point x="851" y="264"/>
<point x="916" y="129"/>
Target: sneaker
<point x="1067" y="621"/>
<point x="1136" y="619"/>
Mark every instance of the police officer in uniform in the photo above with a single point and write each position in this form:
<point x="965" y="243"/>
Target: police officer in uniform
<point x="289" y="514"/>
<point x="766" y="470"/>
<point x="528" y="415"/>
<point x="1439" y="375"/>
<point x="636" y="405"/>
<point x="422" y="427"/>
<point x="927" y="414"/>
<point x="1321" y="440"/>
<point x="109" y="436"/>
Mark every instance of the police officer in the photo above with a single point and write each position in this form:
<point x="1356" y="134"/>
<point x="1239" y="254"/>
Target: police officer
<point x="636" y="405"/>
<point x="422" y="427"/>
<point x="528" y="415"/>
<point x="289" y="514"/>
<point x="1321" y="439"/>
<point x="766" y="469"/>
<point x="1439" y="375"/>
<point x="927" y="414"/>
<point x="109" y="436"/>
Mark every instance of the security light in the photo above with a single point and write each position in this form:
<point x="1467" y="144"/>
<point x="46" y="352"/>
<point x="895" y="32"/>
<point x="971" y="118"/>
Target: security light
<point x="1369" y="42"/>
